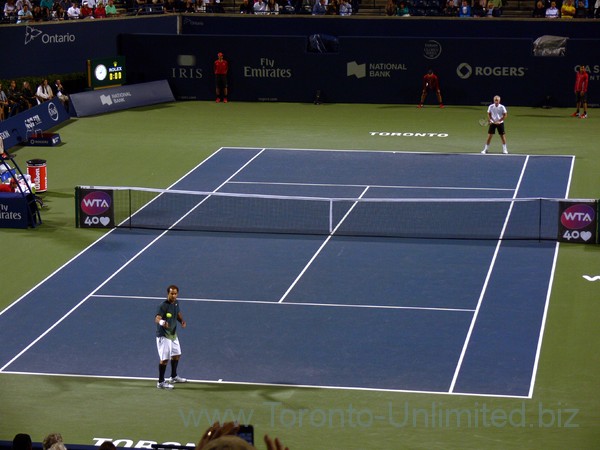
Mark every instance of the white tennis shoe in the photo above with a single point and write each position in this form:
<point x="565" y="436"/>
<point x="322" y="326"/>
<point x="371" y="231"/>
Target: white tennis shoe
<point x="177" y="379"/>
<point x="164" y="385"/>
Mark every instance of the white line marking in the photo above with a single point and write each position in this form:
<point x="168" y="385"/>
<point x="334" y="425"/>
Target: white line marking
<point x="320" y="248"/>
<point x="266" y="302"/>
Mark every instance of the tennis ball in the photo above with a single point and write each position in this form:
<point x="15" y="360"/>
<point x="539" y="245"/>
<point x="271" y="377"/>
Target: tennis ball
<point x="169" y="315"/>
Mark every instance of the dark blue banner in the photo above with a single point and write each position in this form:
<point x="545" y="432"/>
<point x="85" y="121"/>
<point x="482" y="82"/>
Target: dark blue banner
<point x="17" y="129"/>
<point x="40" y="49"/>
<point x="120" y="98"/>
<point x="363" y="69"/>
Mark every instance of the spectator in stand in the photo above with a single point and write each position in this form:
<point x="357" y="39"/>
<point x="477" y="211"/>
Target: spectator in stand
<point x="44" y="92"/>
<point x="24" y="15"/>
<point x="74" y="12"/>
<point x="38" y="15"/>
<point x="3" y="103"/>
<point x="345" y="8"/>
<point x="320" y="8"/>
<point x="21" y="441"/>
<point x="169" y="6"/>
<point x="581" y="12"/>
<point x="28" y="95"/>
<point x="402" y="10"/>
<point x="188" y="7"/>
<point x="245" y="7"/>
<point x="465" y="9"/>
<point x="47" y="6"/>
<point x="390" y="8"/>
<point x="552" y="12"/>
<point x="478" y="10"/>
<point x="16" y="103"/>
<point x="568" y="10"/>
<point x="272" y="7"/>
<point x="539" y="12"/>
<point x="10" y="10"/>
<point x="492" y="10"/>
<point x="214" y="6"/>
<point x="21" y="3"/>
<point x="200" y="6"/>
<point x="59" y="12"/>
<point x="260" y="7"/>
<point x="111" y="9"/>
<point x="59" y="91"/>
<point x="86" y="12"/>
<point x="333" y="8"/>
<point x="597" y="9"/>
<point x="450" y="10"/>
<point x="100" y="11"/>
<point x="50" y="440"/>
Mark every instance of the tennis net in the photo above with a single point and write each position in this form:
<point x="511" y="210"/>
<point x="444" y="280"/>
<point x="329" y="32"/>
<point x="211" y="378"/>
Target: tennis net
<point x="444" y="218"/>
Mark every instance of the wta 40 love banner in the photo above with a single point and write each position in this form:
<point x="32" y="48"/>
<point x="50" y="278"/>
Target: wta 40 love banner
<point x="578" y="221"/>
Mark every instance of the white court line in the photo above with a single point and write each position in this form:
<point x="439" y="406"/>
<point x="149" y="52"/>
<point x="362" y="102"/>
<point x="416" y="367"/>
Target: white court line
<point x="379" y="186"/>
<point x="320" y="248"/>
<point x="485" y="284"/>
<point x="267" y="302"/>
<point x="275" y="385"/>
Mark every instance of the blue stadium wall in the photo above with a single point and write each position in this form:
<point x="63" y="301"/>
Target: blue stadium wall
<point x="374" y="60"/>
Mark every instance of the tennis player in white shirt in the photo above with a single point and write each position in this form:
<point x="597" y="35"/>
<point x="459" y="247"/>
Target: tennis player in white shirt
<point x="496" y="114"/>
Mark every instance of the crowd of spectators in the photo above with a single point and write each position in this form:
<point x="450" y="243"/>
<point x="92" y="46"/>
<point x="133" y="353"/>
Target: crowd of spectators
<point x="565" y="9"/>
<point x="25" y="11"/>
<point x="16" y="99"/>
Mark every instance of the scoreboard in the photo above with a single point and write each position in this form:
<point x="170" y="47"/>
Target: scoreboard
<point x="106" y="72"/>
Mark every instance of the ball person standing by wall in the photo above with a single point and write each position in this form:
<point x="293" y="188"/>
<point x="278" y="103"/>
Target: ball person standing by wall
<point x="167" y="343"/>
<point x="221" y="69"/>
<point x="496" y="115"/>
<point x="581" y="86"/>
<point x="431" y="83"/>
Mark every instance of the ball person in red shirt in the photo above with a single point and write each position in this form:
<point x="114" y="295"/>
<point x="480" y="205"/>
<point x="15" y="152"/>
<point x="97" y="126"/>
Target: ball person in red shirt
<point x="431" y="83"/>
<point x="221" y="68"/>
<point x="581" y="87"/>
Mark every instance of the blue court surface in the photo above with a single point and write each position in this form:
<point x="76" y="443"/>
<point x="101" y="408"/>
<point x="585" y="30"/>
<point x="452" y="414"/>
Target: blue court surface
<point x="448" y="316"/>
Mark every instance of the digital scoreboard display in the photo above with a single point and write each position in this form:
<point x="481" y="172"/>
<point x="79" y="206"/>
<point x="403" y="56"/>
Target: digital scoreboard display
<point x="106" y="72"/>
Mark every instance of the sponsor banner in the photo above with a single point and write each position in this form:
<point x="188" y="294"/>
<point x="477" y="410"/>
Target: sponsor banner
<point x="18" y="129"/>
<point x="363" y="70"/>
<point x="120" y="98"/>
<point x="95" y="208"/>
<point x="578" y="222"/>
<point x="42" y="48"/>
<point x="14" y="211"/>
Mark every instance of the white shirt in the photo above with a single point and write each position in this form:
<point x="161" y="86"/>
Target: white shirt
<point x="73" y="12"/>
<point x="497" y="112"/>
<point x="44" y="92"/>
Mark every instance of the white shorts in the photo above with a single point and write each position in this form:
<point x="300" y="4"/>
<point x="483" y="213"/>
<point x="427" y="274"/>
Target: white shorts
<point x="167" y="348"/>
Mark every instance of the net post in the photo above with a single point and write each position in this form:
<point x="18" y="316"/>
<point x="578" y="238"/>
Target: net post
<point x="330" y="215"/>
<point x="540" y="221"/>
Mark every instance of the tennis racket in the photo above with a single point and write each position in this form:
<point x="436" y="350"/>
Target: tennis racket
<point x="484" y="122"/>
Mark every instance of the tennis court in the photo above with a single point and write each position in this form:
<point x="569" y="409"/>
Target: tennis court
<point x="349" y="310"/>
